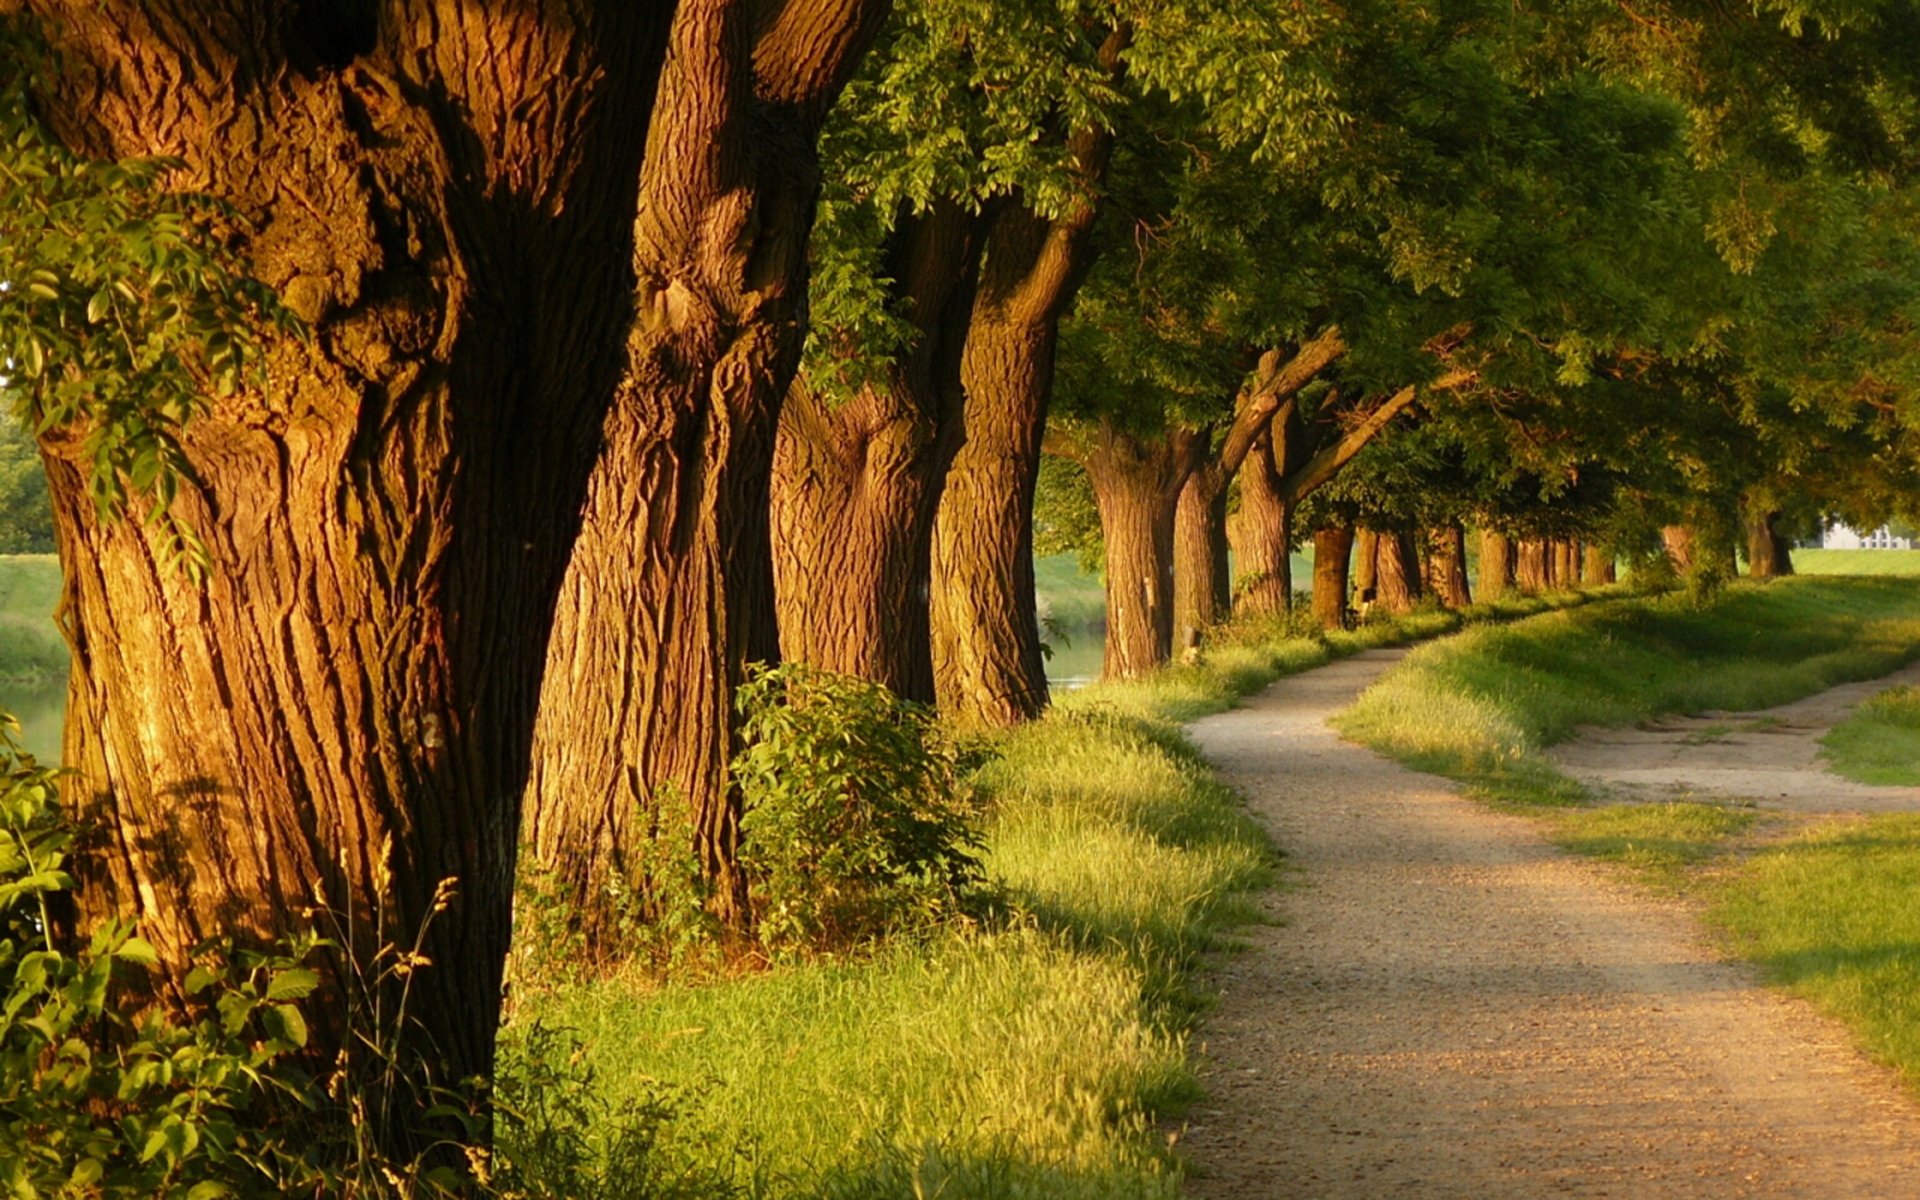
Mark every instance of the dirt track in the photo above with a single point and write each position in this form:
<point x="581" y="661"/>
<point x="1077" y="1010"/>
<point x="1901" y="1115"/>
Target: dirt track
<point x="1452" y="1008"/>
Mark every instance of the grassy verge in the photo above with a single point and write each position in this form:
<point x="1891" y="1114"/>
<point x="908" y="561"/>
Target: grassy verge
<point x="1857" y="562"/>
<point x="1032" y="1057"/>
<point x="1879" y="743"/>
<point x="1824" y="907"/>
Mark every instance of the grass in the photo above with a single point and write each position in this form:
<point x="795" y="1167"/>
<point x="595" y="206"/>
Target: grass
<point x="1879" y="742"/>
<point x="1857" y="562"/>
<point x="1036" y="1056"/>
<point x="31" y="649"/>
<point x="1824" y="909"/>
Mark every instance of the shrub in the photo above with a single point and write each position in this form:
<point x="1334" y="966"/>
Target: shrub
<point x="854" y="822"/>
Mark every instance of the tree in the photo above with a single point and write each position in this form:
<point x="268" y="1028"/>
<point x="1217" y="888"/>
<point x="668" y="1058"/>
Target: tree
<point x="669" y="594"/>
<point x="26" y="515"/>
<point x="337" y="709"/>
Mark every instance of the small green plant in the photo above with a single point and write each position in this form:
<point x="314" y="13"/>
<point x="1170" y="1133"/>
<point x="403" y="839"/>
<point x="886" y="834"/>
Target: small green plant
<point x="854" y="822"/>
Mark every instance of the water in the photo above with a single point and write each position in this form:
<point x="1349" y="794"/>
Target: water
<point x="40" y="708"/>
<point x="1076" y="657"/>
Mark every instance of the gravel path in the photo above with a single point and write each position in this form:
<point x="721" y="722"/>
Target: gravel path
<point x="1448" y="1007"/>
<point x="1771" y="758"/>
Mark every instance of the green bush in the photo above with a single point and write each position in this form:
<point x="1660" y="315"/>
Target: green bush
<point x="855" y="823"/>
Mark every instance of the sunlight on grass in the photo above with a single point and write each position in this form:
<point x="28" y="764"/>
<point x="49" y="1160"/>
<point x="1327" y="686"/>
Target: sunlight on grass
<point x="1879" y="742"/>
<point x="1831" y="915"/>
<point x="1657" y="840"/>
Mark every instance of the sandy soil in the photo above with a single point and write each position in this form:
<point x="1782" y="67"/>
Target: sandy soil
<point x="1452" y="1008"/>
<point x="1769" y="757"/>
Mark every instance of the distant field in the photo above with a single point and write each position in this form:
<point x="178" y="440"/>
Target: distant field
<point x="1857" y="562"/>
<point x="33" y="656"/>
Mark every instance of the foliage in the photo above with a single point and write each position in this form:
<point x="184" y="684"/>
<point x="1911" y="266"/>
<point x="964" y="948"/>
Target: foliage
<point x="853" y="821"/>
<point x="26" y="514"/>
<point x="123" y="307"/>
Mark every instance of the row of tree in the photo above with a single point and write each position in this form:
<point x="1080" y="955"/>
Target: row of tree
<point x="600" y="349"/>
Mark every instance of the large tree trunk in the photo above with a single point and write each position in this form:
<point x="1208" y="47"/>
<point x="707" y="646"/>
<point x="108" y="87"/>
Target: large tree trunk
<point x="1769" y="556"/>
<point x="987" y="664"/>
<point x="343" y="710"/>
<point x="1202" y="595"/>
<point x="1397" y="572"/>
<point x="1678" y="541"/>
<point x="1597" y="569"/>
<point x="1566" y="562"/>
<point x="1137" y="486"/>
<point x="856" y="481"/>
<point x="1366" y="566"/>
<point x="1496" y="564"/>
<point x="670" y="590"/>
<point x="1332" y="549"/>
<point x="1532" y="569"/>
<point x="1447" y="566"/>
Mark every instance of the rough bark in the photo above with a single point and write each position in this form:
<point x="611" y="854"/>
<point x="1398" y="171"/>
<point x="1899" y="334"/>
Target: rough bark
<point x="1447" y="566"/>
<point x="1532" y="571"/>
<point x="1262" y="531"/>
<point x="1597" y="568"/>
<point x="1366" y="566"/>
<point x="1496" y="564"/>
<point x="987" y="664"/>
<point x="1202" y="596"/>
<point x="1332" y="550"/>
<point x="1136" y="484"/>
<point x="1769" y="556"/>
<point x="856" y="482"/>
<point x="1397" y="572"/>
<point x="344" y="708"/>
<point x="670" y="590"/>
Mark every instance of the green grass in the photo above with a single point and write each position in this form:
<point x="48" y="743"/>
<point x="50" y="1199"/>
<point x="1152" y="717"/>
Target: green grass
<point x="1031" y="1057"/>
<point x="1857" y="562"/>
<point x="1479" y="707"/>
<point x="1879" y="742"/>
<point x="1830" y="915"/>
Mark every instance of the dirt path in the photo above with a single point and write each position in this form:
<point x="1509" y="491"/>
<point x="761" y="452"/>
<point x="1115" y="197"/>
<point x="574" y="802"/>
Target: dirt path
<point x="1771" y="758"/>
<point x="1455" y="1009"/>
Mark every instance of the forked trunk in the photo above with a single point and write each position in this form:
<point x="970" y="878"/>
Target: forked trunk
<point x="856" y="481"/>
<point x="1332" y="549"/>
<point x="1496" y="564"/>
<point x="1447" y="566"/>
<point x="1201" y="594"/>
<point x="342" y="712"/>
<point x="1397" y="572"/>
<point x="670" y="591"/>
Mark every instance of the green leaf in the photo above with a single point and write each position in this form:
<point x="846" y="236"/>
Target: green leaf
<point x="138" y="950"/>
<point x="292" y="983"/>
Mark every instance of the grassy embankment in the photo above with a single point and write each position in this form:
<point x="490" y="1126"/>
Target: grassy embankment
<point x="1857" y="562"/>
<point x="1879" y="742"/>
<point x="1029" y="1058"/>
<point x="1823" y="905"/>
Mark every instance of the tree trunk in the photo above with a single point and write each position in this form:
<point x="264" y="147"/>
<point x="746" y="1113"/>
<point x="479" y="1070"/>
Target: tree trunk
<point x="1598" y="570"/>
<point x="1496" y="565"/>
<point x="1137" y="486"/>
<point x="1448" y="566"/>
<point x="670" y="591"/>
<point x="1397" y="572"/>
<point x="856" y="482"/>
<point x="1566" y="564"/>
<point x="987" y="665"/>
<point x="1679" y="544"/>
<point x="344" y="708"/>
<point x="1332" y="548"/>
<point x="1201" y="595"/>
<point x="1262" y="534"/>
<point x="1366" y="566"/>
<point x="1530" y="568"/>
<point x="1769" y="556"/>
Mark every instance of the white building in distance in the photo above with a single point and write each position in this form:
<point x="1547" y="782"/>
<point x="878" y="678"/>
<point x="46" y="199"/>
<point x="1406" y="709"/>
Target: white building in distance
<point x="1841" y="537"/>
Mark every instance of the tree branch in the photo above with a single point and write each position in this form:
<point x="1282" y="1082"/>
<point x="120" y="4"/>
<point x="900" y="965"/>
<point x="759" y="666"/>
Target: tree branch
<point x="1328" y="462"/>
